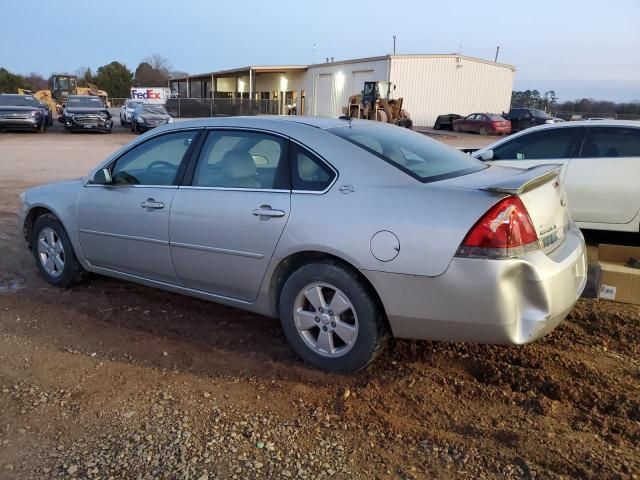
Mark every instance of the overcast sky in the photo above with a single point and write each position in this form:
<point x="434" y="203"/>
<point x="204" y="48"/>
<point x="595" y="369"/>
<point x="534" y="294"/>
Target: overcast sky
<point x="579" y="48"/>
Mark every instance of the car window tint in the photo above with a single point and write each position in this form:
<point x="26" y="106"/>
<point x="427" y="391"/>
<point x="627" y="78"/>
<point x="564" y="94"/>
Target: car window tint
<point x="544" y="144"/>
<point x="240" y="159"/>
<point x="611" y="142"/>
<point x="308" y="172"/>
<point x="154" y="162"/>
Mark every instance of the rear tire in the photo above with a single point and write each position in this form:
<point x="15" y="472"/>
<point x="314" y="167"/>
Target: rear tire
<point x="53" y="253"/>
<point x="354" y="334"/>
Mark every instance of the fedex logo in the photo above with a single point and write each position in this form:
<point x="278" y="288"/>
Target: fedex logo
<point x="148" y="94"/>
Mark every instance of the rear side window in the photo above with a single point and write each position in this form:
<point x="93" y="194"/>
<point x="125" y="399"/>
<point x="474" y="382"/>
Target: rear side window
<point x="308" y="172"/>
<point x="243" y="159"/>
<point x="611" y="142"/>
<point x="541" y="145"/>
<point x="417" y="155"/>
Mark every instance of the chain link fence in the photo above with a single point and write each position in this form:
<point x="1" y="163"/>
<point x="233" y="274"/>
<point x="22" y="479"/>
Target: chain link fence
<point x="568" y="116"/>
<point x="216" y="107"/>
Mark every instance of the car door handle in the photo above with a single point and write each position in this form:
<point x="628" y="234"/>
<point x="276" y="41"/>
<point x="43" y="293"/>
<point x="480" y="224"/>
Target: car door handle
<point x="267" y="211"/>
<point x="151" y="203"/>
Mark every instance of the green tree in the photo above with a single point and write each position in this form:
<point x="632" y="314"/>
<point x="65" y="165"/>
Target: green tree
<point x="115" y="78"/>
<point x="149" y="76"/>
<point x="9" y="82"/>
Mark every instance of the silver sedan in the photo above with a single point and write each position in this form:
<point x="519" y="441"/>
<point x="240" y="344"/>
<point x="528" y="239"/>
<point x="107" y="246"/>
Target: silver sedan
<point x="348" y="231"/>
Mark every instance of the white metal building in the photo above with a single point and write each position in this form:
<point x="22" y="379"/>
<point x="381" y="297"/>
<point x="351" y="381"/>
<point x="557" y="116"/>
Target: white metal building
<point x="430" y="84"/>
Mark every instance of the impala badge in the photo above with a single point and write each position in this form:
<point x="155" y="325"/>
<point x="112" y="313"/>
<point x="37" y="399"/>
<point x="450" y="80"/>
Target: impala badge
<point x="346" y="189"/>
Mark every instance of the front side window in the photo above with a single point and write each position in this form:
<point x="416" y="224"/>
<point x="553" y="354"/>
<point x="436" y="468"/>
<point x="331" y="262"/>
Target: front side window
<point x="417" y="155"/>
<point x="242" y="159"/>
<point x="543" y="144"/>
<point x="611" y="142"/>
<point x="308" y="172"/>
<point x="154" y="162"/>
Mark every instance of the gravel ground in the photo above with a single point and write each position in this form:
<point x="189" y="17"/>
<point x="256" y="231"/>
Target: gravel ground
<point x="115" y="380"/>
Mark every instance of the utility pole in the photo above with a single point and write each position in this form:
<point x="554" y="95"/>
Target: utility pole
<point x="497" y="51"/>
<point x="394" y="44"/>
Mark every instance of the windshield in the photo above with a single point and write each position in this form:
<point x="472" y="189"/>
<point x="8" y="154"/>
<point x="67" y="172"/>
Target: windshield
<point x="414" y="153"/>
<point x="85" y="102"/>
<point x="17" y="101"/>
<point x="539" y="114"/>
<point x="132" y="103"/>
<point x="153" y="109"/>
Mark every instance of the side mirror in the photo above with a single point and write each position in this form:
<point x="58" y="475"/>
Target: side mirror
<point x="102" y="177"/>
<point x="486" y="156"/>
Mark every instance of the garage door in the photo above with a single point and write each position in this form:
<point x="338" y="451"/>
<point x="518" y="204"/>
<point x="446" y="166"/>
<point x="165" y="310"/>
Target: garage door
<point x="325" y="100"/>
<point x="359" y="78"/>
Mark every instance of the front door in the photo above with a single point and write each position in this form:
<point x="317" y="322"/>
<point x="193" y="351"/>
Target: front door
<point x="554" y="145"/>
<point x="226" y="224"/>
<point x="124" y="226"/>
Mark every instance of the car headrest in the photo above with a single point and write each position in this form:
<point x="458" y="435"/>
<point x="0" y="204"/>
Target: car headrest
<point x="238" y="164"/>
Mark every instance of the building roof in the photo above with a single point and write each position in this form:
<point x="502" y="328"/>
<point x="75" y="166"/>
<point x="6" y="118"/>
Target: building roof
<point x="282" y="68"/>
<point x="255" y="68"/>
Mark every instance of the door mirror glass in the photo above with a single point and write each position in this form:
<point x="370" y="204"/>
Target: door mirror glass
<point x="102" y="177"/>
<point x="486" y="156"/>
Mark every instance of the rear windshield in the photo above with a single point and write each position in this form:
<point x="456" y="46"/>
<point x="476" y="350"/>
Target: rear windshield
<point x="85" y="102"/>
<point x="539" y="114"/>
<point x="494" y="117"/>
<point x="414" y="153"/>
<point x="17" y="101"/>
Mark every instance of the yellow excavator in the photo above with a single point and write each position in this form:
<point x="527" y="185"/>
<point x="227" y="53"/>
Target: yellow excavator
<point x="60" y="87"/>
<point x="371" y="105"/>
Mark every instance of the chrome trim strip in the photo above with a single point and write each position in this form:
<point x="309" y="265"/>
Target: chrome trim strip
<point x="126" y="237"/>
<point x="234" y="189"/>
<point x="216" y="250"/>
<point x="168" y="187"/>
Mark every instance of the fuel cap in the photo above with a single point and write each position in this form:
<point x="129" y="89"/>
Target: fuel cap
<point x="385" y="246"/>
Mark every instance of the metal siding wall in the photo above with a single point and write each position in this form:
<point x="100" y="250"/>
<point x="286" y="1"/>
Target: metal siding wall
<point x="331" y="105"/>
<point x="434" y="86"/>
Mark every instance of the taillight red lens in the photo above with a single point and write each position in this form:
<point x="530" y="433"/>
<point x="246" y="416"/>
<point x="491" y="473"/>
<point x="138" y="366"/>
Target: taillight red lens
<point x="505" y="231"/>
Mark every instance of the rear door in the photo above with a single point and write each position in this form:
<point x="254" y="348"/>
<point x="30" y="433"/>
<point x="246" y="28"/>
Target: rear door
<point x="603" y="182"/>
<point x="226" y="222"/>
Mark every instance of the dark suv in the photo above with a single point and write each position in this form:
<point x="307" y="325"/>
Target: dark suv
<point x="522" y="118"/>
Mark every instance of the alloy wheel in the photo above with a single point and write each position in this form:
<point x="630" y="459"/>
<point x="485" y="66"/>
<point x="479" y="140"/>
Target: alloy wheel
<point x="51" y="252"/>
<point x="325" y="319"/>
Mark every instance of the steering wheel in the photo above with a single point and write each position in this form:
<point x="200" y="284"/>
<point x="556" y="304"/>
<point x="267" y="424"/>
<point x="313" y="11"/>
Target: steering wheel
<point x="161" y="163"/>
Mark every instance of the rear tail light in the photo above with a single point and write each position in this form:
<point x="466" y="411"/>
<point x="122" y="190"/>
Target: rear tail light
<point x="505" y="231"/>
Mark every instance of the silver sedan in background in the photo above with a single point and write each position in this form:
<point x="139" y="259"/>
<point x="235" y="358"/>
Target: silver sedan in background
<point x="348" y="231"/>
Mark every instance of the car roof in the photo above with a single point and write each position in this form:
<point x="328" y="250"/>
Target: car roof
<point x="276" y="120"/>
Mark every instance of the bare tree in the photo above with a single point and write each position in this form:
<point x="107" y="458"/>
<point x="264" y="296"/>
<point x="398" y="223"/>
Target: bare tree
<point x="158" y="62"/>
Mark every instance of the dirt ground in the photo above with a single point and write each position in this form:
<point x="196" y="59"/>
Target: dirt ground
<point x="114" y="380"/>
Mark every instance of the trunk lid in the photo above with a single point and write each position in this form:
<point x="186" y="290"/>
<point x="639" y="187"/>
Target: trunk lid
<point x="540" y="190"/>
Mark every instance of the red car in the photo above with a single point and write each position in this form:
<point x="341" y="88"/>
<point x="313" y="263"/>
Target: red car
<point x="482" y="123"/>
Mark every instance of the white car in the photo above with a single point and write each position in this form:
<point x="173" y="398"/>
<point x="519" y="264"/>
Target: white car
<point x="126" y="110"/>
<point x="600" y="167"/>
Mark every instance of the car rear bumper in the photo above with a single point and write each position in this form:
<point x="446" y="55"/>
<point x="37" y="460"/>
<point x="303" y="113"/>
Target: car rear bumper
<point x="487" y="301"/>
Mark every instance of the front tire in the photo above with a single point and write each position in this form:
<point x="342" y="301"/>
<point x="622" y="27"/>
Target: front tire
<point x="330" y="318"/>
<point x="54" y="253"/>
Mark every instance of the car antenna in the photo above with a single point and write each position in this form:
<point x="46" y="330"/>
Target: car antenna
<point x="346" y="117"/>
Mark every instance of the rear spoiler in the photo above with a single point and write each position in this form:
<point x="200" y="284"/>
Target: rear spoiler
<point x="529" y="178"/>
